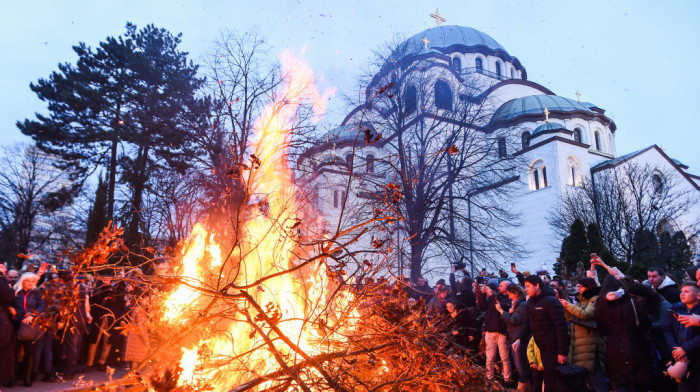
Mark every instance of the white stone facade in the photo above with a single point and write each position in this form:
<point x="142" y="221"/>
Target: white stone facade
<point x="564" y="156"/>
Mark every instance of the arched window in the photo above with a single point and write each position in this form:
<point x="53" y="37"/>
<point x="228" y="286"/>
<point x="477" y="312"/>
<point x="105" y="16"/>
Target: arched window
<point x="574" y="171"/>
<point x="512" y="73"/>
<point x="596" y="135"/>
<point x="479" y="65"/>
<point x="525" y="140"/>
<point x="577" y="134"/>
<point x="443" y="95"/>
<point x="411" y="99"/>
<point x="370" y="163"/>
<point x="537" y="175"/>
<point x="502" y="152"/>
<point x="338" y="197"/>
<point x="544" y="176"/>
<point x="457" y="64"/>
<point x="498" y="68"/>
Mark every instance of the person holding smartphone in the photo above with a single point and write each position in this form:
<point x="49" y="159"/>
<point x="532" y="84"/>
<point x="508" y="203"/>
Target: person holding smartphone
<point x="492" y="298"/>
<point x="685" y="341"/>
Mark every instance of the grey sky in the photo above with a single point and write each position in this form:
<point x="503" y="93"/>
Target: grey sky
<point x="636" y="59"/>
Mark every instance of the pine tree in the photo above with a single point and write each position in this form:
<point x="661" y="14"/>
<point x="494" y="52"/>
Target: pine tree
<point x="645" y="251"/>
<point x="675" y="255"/>
<point x="97" y="218"/>
<point x="574" y="248"/>
<point x="595" y="245"/>
<point x="121" y="106"/>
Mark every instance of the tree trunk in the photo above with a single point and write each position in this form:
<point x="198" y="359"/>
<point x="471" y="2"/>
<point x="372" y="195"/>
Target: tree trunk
<point x="139" y="184"/>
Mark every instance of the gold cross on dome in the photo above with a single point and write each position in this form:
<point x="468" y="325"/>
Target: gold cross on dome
<point x="546" y="115"/>
<point x="425" y="41"/>
<point x="578" y="96"/>
<point x="438" y="19"/>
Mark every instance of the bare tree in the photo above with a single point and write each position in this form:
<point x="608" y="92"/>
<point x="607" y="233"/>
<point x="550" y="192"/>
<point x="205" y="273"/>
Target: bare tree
<point x="32" y="190"/>
<point x="627" y="199"/>
<point x="269" y="302"/>
<point x="441" y="173"/>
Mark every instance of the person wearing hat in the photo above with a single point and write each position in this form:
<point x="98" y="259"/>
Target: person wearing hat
<point x="586" y="346"/>
<point x="495" y="328"/>
<point x="685" y="341"/>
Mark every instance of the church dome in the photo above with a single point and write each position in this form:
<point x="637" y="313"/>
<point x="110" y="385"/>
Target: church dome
<point x="548" y="128"/>
<point x="444" y="37"/>
<point x="535" y="105"/>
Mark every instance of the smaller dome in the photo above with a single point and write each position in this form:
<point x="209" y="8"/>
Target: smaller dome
<point x="548" y="128"/>
<point x="535" y="105"/>
<point x="342" y="132"/>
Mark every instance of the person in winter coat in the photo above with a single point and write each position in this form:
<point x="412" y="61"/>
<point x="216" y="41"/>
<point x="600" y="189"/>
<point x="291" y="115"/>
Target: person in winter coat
<point x="685" y="341"/>
<point x="495" y="328"/>
<point x="535" y="359"/>
<point x="514" y="319"/>
<point x="436" y="305"/>
<point x="7" y="331"/>
<point x="27" y="305"/>
<point x="656" y="308"/>
<point x="663" y="284"/>
<point x="75" y="318"/>
<point x="546" y="322"/>
<point x="463" y="290"/>
<point x="44" y="354"/>
<point x="586" y="347"/>
<point x="421" y="291"/>
<point x="137" y="339"/>
<point x="621" y="319"/>
<point x="457" y="324"/>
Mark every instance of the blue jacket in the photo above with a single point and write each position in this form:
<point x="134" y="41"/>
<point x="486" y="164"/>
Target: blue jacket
<point x="678" y="335"/>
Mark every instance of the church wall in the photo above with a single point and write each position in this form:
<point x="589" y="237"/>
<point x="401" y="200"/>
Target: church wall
<point x="655" y="159"/>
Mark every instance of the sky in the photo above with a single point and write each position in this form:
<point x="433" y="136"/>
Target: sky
<point x="637" y="59"/>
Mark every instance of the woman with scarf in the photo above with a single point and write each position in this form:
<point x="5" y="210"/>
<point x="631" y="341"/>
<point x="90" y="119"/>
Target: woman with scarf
<point x="27" y="305"/>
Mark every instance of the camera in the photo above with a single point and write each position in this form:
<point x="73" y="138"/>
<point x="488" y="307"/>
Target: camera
<point x="460" y="265"/>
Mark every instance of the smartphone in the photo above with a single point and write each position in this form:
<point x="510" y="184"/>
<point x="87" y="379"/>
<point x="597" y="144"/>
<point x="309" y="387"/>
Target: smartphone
<point x="512" y="265"/>
<point x="594" y="256"/>
<point x="675" y="314"/>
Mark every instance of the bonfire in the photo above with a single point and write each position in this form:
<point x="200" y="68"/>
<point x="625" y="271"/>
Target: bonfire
<point x="265" y="300"/>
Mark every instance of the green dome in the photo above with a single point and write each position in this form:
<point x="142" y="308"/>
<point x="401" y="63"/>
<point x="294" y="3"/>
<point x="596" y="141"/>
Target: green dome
<point x="548" y="127"/>
<point x="535" y="105"/>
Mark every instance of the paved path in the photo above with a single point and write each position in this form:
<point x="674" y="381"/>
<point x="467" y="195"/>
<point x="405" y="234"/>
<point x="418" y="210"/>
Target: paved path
<point x="39" y="386"/>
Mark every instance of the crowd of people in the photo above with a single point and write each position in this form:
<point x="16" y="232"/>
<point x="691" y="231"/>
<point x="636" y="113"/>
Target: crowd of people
<point x="545" y="333"/>
<point x="530" y="330"/>
<point x="54" y="325"/>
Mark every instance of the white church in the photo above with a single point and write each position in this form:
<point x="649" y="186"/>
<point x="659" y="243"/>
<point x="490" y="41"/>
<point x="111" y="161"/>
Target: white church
<point x="543" y="143"/>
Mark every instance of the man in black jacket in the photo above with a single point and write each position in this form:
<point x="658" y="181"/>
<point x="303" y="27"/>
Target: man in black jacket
<point x="494" y="327"/>
<point x="546" y="322"/>
<point x="663" y="285"/>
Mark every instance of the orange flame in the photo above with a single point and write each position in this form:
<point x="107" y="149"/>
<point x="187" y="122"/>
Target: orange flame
<point x="266" y="248"/>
